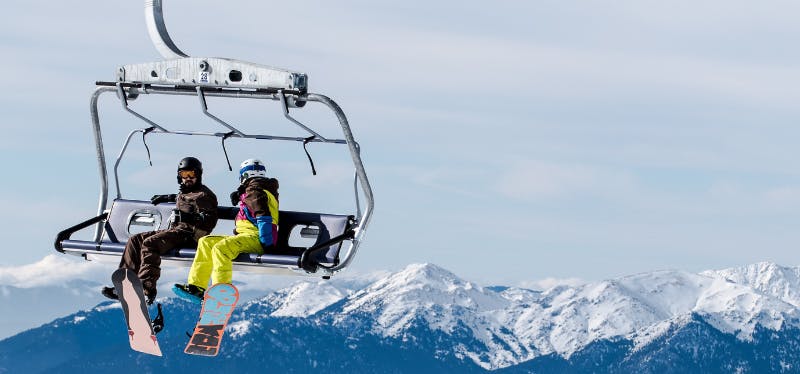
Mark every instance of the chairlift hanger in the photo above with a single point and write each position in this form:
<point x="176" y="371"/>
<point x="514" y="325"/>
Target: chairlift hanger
<point x="180" y="74"/>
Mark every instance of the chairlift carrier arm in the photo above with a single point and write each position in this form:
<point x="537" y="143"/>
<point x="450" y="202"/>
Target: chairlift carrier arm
<point x="180" y="74"/>
<point x="129" y="89"/>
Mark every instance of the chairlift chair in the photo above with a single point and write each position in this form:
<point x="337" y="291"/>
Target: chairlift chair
<point x="336" y="236"/>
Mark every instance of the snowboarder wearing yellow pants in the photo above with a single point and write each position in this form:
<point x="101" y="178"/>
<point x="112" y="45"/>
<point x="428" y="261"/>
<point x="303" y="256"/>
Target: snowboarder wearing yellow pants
<point x="256" y="231"/>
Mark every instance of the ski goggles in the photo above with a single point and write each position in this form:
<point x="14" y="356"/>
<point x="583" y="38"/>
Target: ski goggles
<point x="187" y="174"/>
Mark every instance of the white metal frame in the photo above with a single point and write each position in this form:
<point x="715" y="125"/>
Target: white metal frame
<point x="180" y="74"/>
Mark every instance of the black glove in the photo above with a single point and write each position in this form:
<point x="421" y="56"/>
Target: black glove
<point x="158" y="199"/>
<point x="196" y="218"/>
<point x="189" y="218"/>
<point x="235" y="198"/>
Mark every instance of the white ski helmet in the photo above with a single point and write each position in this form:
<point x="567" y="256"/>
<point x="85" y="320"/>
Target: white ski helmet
<point x="252" y="167"/>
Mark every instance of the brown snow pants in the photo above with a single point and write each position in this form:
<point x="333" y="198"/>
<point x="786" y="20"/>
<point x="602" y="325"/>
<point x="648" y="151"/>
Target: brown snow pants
<point x="143" y="254"/>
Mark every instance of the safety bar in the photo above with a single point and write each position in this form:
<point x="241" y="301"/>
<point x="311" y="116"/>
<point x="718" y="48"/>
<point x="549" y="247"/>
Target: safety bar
<point x="306" y="260"/>
<point x="66" y="234"/>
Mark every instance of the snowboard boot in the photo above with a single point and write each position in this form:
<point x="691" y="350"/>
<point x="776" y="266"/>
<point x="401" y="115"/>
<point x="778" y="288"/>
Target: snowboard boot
<point x="189" y="292"/>
<point x="110" y="293"/>
<point x="150" y="291"/>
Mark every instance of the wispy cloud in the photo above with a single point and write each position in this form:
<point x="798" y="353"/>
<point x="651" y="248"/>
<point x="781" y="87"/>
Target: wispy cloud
<point x="59" y="270"/>
<point x="548" y="283"/>
<point x="52" y="270"/>
<point x="533" y="180"/>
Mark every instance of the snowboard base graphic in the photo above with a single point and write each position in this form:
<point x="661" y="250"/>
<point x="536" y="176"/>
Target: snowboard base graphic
<point x="218" y="304"/>
<point x="131" y="296"/>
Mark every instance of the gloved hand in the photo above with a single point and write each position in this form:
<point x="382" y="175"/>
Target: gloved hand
<point x="196" y="218"/>
<point x="235" y="198"/>
<point x="190" y="218"/>
<point x="264" y="224"/>
<point x="158" y="199"/>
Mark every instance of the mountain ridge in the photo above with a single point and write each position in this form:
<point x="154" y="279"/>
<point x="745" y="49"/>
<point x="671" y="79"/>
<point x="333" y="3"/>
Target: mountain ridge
<point x="436" y="317"/>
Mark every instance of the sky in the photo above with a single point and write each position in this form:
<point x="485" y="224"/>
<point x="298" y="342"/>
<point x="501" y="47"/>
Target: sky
<point x="506" y="141"/>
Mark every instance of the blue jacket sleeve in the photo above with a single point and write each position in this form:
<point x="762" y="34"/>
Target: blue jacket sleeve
<point x="264" y="224"/>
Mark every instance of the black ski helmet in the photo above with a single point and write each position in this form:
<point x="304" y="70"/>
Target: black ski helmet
<point x="191" y="163"/>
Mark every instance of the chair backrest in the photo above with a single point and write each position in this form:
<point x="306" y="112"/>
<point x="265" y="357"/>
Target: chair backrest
<point x="128" y="217"/>
<point x="327" y="225"/>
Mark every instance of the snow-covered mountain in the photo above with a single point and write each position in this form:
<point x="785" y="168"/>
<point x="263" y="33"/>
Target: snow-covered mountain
<point x="66" y="284"/>
<point x="516" y="325"/>
<point x="425" y="318"/>
<point x="768" y="278"/>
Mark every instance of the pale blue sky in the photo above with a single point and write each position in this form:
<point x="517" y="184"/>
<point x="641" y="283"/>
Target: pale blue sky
<point x="506" y="141"/>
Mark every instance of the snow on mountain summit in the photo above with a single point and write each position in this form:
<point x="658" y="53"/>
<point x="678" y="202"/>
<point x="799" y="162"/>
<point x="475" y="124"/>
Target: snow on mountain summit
<point x="430" y="296"/>
<point x="768" y="278"/>
<point x="426" y="308"/>
<point x="512" y="325"/>
<point x="418" y="291"/>
<point x="305" y="298"/>
<point x="566" y="319"/>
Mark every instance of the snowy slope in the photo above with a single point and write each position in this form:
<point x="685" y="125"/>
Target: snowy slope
<point x="304" y="298"/>
<point x="767" y="278"/>
<point x="428" y="294"/>
<point x="515" y="325"/>
<point x="431" y="314"/>
<point x="69" y="283"/>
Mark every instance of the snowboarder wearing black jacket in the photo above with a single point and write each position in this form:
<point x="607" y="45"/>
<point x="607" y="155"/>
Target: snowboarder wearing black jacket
<point x="194" y="217"/>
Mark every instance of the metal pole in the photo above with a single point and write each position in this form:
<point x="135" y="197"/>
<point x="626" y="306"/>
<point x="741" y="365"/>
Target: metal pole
<point x="362" y="177"/>
<point x="119" y="158"/>
<point x="123" y="99"/>
<point x="204" y="107"/>
<point x="157" y="28"/>
<point x="101" y="158"/>
<point x="285" y="106"/>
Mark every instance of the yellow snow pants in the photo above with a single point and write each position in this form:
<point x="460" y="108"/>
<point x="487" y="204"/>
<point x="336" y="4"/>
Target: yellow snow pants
<point x="215" y="254"/>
